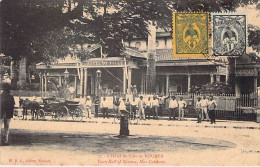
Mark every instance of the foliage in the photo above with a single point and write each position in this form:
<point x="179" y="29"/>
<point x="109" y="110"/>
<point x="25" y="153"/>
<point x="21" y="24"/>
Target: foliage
<point x="43" y="29"/>
<point x="212" y="88"/>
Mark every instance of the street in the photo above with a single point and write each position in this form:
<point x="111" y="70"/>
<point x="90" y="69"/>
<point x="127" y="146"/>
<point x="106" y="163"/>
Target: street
<point x="82" y="143"/>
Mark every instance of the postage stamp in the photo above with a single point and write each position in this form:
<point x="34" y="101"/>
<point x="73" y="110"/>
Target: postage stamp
<point x="190" y="34"/>
<point x="229" y="34"/>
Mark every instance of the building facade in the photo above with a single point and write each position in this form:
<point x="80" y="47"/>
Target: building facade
<point x="102" y="74"/>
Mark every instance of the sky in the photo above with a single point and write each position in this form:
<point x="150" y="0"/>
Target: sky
<point x="253" y="14"/>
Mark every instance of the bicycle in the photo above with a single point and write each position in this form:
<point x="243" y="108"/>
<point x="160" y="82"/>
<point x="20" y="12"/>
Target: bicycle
<point x="117" y="118"/>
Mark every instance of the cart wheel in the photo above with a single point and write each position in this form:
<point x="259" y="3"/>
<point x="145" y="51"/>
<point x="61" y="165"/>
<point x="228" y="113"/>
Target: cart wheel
<point x="116" y="119"/>
<point x="77" y="114"/>
<point x="41" y="114"/>
<point x="63" y="113"/>
<point x="133" y="121"/>
<point x="54" y="115"/>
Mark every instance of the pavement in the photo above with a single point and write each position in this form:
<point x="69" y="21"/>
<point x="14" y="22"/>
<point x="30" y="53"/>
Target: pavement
<point x="163" y="121"/>
<point x="152" y="142"/>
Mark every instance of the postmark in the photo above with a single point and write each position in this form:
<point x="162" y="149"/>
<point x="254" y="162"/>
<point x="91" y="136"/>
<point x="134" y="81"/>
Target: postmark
<point x="229" y="34"/>
<point x="190" y="35"/>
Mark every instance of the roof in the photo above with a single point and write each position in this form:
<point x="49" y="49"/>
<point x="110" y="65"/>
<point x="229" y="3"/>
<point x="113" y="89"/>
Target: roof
<point x="167" y="55"/>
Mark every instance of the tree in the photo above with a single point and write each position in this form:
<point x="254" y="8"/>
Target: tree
<point x="41" y="29"/>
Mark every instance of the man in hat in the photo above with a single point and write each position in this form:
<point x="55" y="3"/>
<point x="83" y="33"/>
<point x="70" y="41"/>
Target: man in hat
<point x="122" y="106"/>
<point x="88" y="106"/>
<point x="6" y="112"/>
<point x="155" y="105"/>
<point x="104" y="107"/>
<point x="198" y="110"/>
<point x="212" y="109"/>
<point x="182" y="105"/>
<point x="173" y="106"/>
<point x="141" y="106"/>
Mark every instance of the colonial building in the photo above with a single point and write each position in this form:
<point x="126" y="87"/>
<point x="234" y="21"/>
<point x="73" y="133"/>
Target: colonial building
<point x="102" y="73"/>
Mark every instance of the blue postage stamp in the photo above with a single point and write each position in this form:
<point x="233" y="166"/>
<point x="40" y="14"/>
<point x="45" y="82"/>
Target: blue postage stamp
<point x="229" y="34"/>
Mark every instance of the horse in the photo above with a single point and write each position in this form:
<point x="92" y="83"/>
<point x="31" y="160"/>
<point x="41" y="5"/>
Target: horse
<point x="34" y="106"/>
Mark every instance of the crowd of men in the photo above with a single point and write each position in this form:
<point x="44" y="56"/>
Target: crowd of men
<point x="149" y="107"/>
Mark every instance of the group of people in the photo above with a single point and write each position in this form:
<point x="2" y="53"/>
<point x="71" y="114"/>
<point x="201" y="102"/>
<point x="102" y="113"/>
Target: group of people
<point x="206" y="108"/>
<point x="143" y="109"/>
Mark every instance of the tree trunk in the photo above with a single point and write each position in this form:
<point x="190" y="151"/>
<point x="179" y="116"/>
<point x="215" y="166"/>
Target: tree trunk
<point x="151" y="66"/>
<point x="14" y="74"/>
<point x="231" y="72"/>
<point x="22" y="73"/>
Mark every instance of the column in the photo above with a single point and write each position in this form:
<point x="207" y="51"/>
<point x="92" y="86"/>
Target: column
<point x="227" y="73"/>
<point x="217" y="78"/>
<point x="60" y="80"/>
<point x="81" y="82"/>
<point x="124" y="80"/>
<point x="75" y="84"/>
<point x="129" y="80"/>
<point x="211" y="78"/>
<point x="92" y="84"/>
<point x="167" y="84"/>
<point x="189" y="84"/>
<point x="142" y="83"/>
<point x="237" y="87"/>
<point x="85" y="81"/>
<point x="255" y="84"/>
<point x="45" y="84"/>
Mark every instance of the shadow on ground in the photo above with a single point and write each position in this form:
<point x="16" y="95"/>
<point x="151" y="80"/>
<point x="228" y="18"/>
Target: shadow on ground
<point x="109" y="143"/>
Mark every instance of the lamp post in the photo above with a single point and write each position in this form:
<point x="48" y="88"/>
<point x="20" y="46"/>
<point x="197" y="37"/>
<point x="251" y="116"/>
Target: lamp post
<point x="98" y="80"/>
<point x="2" y="56"/>
<point x="66" y="77"/>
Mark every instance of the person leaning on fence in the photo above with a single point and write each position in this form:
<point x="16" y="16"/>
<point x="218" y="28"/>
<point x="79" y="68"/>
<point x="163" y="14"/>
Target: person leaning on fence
<point x="212" y="110"/>
<point x="182" y="105"/>
<point x="6" y="112"/>
<point x="148" y="107"/>
<point x="198" y="110"/>
<point x="141" y="107"/>
<point x="155" y="105"/>
<point x="104" y="107"/>
<point x="204" y="107"/>
<point x="88" y="106"/>
<point x="173" y="107"/>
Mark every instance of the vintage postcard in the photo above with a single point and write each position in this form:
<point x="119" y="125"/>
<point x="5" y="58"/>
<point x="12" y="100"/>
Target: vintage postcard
<point x="129" y="83"/>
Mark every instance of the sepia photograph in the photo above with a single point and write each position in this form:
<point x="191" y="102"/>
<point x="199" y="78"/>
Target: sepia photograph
<point x="130" y="82"/>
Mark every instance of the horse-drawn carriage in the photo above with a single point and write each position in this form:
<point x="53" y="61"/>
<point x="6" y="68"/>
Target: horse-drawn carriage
<point x="58" y="109"/>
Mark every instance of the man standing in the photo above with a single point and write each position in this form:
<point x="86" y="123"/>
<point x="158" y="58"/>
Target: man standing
<point x="122" y="106"/>
<point x="71" y="92"/>
<point x="133" y="103"/>
<point x="182" y="105"/>
<point x="148" y="107"/>
<point x="155" y="105"/>
<point x="6" y="113"/>
<point x="141" y="106"/>
<point x="116" y="105"/>
<point x="204" y="107"/>
<point x="104" y="107"/>
<point x="173" y="106"/>
<point x="88" y="106"/>
<point x="212" y="110"/>
<point x="198" y="110"/>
